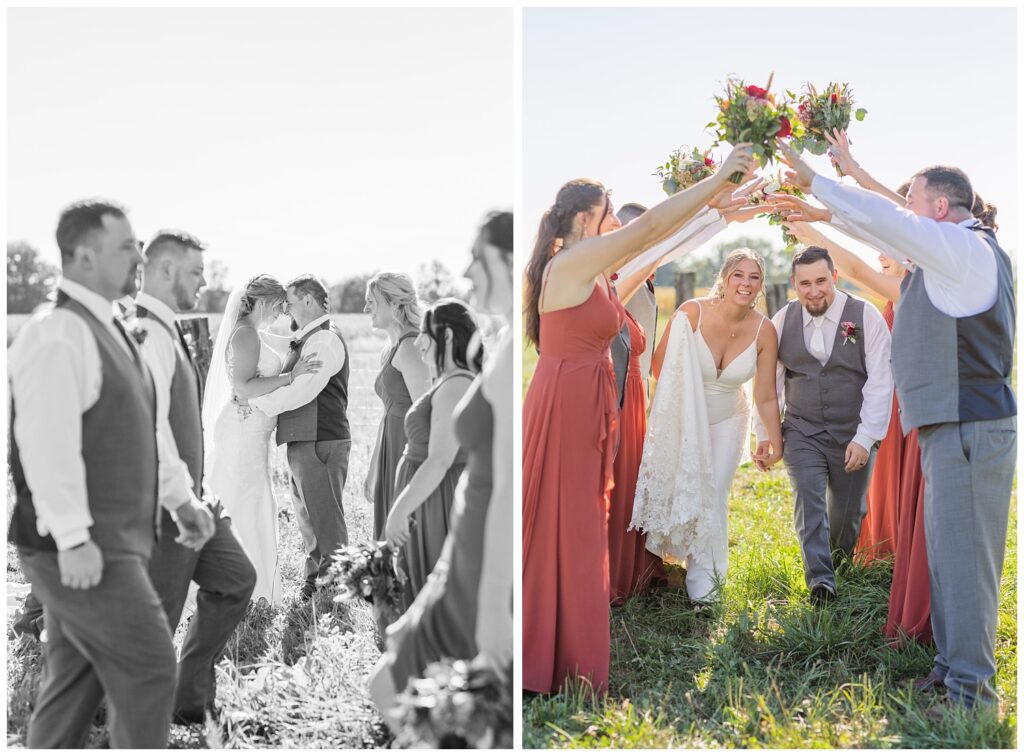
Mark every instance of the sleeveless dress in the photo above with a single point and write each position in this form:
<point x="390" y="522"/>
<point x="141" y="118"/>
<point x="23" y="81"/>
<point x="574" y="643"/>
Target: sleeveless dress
<point x="878" y="531"/>
<point x="570" y="429"/>
<point x="390" y="387"/>
<point x="631" y="567"/>
<point x="699" y="429"/>
<point x="432" y="519"/>
<point x="239" y="473"/>
<point x="442" y="620"/>
<point x="910" y="605"/>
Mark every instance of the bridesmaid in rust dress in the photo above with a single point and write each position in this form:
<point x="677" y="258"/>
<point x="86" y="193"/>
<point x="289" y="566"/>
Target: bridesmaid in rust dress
<point x="570" y="420"/>
<point x="434" y="459"/>
<point x="631" y="567"/>
<point x="393" y="307"/>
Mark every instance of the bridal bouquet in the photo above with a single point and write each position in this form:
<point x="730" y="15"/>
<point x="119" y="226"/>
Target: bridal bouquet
<point x="367" y="571"/>
<point x="684" y="169"/>
<point x="456" y="705"/>
<point x="760" y="197"/>
<point x="749" y="113"/>
<point x="820" y="113"/>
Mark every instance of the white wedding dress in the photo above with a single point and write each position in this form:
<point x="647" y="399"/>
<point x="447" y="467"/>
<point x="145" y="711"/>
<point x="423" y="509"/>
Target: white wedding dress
<point x="697" y="435"/>
<point x="238" y="451"/>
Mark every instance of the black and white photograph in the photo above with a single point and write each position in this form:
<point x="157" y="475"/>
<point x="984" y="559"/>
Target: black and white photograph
<point x="260" y="378"/>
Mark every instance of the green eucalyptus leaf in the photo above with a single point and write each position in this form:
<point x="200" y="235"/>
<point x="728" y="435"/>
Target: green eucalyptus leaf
<point x="861" y="112"/>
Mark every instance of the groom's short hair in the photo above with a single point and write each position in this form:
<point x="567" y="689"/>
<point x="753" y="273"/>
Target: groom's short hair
<point x="811" y="255"/>
<point x="630" y="212"/>
<point x="310" y="284"/>
<point x="170" y="241"/>
<point x="951" y="183"/>
<point x="80" y="219"/>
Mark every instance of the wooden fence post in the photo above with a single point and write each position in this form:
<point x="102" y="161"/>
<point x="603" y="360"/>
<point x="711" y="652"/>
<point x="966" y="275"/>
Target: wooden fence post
<point x="686" y="284"/>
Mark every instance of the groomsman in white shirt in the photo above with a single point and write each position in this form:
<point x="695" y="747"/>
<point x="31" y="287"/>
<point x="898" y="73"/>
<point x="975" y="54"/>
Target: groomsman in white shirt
<point x="952" y="357"/>
<point x="172" y="279"/>
<point x="84" y="464"/>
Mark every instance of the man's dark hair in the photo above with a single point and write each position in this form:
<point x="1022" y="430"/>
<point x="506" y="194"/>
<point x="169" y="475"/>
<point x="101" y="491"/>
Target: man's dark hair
<point x="79" y="219"/>
<point x="168" y="241"/>
<point x="811" y="255"/>
<point x="630" y="212"/>
<point x="951" y="183"/>
<point x="498" y="230"/>
<point x="310" y="284"/>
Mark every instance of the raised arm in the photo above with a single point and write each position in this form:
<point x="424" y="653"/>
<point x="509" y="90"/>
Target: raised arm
<point x="590" y="257"/>
<point x="843" y="158"/>
<point x="851" y="266"/>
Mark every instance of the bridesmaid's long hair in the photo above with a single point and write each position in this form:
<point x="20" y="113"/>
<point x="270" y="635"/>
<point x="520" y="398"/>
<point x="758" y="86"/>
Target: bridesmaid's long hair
<point x="731" y="263"/>
<point x="579" y="195"/>
<point x="451" y="314"/>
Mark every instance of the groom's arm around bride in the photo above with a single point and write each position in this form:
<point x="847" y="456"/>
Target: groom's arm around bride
<point x="312" y="419"/>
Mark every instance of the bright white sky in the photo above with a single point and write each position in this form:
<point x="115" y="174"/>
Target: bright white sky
<point x="332" y="141"/>
<point x="608" y="93"/>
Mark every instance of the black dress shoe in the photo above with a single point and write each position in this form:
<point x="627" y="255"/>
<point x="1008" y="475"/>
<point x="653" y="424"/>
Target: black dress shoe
<point x="930" y="683"/>
<point x="822" y="594"/>
<point x="195" y="716"/>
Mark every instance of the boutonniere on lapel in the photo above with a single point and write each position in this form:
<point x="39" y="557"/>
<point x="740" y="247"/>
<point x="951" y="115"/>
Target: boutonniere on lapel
<point x="295" y="345"/>
<point x="134" y="328"/>
<point x="190" y="343"/>
<point x="850" y="330"/>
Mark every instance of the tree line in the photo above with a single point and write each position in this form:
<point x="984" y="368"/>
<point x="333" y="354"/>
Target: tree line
<point x="31" y="281"/>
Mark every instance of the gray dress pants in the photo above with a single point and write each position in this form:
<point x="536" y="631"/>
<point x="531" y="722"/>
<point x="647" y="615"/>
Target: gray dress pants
<point x="318" y="472"/>
<point x="829" y="503"/>
<point x="968" y="473"/>
<point x="111" y="640"/>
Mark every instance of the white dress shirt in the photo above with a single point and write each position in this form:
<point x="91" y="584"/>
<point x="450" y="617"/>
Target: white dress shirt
<point x="55" y="377"/>
<point x="304" y="389"/>
<point x="689" y="237"/>
<point x="877" y="391"/>
<point x="959" y="267"/>
<point x="159" y="350"/>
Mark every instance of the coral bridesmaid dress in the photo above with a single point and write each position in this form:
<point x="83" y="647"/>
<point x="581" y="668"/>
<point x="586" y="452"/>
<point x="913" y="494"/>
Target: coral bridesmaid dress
<point x="570" y="429"/>
<point x="631" y="567"/>
<point x="878" y="531"/>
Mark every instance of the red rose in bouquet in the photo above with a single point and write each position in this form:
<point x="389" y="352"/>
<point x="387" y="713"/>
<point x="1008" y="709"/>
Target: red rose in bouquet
<point x="684" y="168"/>
<point x="752" y="114"/>
<point x="822" y="112"/>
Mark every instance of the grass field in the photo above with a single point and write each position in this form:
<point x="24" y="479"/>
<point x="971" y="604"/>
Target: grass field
<point x="293" y="676"/>
<point x="765" y="669"/>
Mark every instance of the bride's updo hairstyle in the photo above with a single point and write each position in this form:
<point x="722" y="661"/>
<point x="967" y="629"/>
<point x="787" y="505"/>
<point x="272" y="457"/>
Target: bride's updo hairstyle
<point x="263" y="287"/>
<point x="984" y="212"/>
<point x="731" y="263"/>
<point x="452" y="315"/>
<point x="577" y="196"/>
<point x="398" y="292"/>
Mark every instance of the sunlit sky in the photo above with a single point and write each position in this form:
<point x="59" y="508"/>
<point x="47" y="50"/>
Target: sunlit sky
<point x="333" y="141"/>
<point x="609" y="93"/>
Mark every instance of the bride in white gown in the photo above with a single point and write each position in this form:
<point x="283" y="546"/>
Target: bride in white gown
<point x="237" y="436"/>
<point x="699" y="426"/>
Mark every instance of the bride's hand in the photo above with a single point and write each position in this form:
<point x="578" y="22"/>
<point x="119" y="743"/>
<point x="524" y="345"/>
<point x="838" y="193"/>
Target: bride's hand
<point x="306" y="364"/>
<point x="765" y="456"/>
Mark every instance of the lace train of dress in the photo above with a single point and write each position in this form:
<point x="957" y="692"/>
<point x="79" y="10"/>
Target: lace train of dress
<point x="698" y="431"/>
<point x="239" y="473"/>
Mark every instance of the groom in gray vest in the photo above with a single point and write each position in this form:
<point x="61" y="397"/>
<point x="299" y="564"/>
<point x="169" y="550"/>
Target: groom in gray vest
<point x="834" y="381"/>
<point x="952" y="358"/>
<point x="172" y="278"/>
<point x="313" y="421"/>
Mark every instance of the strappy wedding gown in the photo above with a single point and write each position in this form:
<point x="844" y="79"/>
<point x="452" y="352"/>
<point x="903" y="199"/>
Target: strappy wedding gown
<point x="698" y="431"/>
<point x="239" y="473"/>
